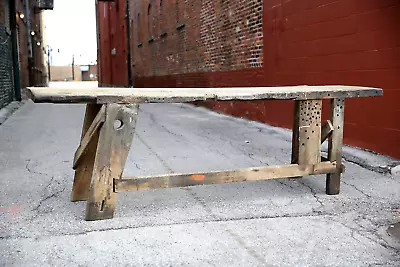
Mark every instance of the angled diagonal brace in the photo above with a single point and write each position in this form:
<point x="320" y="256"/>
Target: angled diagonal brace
<point x="326" y="130"/>
<point x="95" y="126"/>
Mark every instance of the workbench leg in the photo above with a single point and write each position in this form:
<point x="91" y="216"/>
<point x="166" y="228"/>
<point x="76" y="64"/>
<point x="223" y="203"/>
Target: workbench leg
<point x="306" y="142"/>
<point x="83" y="173"/>
<point x="113" y="147"/>
<point x="335" y="146"/>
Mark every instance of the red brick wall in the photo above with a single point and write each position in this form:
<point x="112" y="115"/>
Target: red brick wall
<point x="189" y="36"/>
<point x="315" y="42"/>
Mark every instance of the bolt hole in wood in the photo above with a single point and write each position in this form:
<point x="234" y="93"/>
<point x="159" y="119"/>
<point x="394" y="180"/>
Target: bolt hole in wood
<point x="118" y="124"/>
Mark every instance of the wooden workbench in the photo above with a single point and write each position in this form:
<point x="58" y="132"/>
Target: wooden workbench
<point x="110" y="122"/>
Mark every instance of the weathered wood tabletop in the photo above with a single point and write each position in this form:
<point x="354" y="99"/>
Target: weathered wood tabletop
<point x="102" y="95"/>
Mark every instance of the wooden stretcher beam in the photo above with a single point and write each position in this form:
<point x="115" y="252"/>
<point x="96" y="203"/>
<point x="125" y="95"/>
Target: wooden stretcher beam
<point x="326" y="130"/>
<point x="95" y="126"/>
<point x="221" y="177"/>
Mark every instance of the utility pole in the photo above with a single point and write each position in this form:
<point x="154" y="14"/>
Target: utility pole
<point x="73" y="67"/>
<point x="48" y="62"/>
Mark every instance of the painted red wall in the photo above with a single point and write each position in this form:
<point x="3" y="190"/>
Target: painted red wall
<point x="112" y="38"/>
<point x="314" y="42"/>
<point x="321" y="42"/>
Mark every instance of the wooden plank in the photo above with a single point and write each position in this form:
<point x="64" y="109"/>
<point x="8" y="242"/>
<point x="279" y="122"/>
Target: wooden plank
<point x="96" y="124"/>
<point x="83" y="173"/>
<point x="326" y="130"/>
<point x="113" y="147"/>
<point x="177" y="95"/>
<point x="221" y="177"/>
<point x="309" y="151"/>
<point x="335" y="146"/>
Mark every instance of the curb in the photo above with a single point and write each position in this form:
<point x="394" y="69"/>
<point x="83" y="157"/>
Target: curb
<point x="8" y="110"/>
<point x="364" y="158"/>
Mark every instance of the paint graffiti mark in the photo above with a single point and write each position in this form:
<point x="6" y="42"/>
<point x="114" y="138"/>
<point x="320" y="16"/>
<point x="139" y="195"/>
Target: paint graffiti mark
<point x="197" y="177"/>
<point x="12" y="211"/>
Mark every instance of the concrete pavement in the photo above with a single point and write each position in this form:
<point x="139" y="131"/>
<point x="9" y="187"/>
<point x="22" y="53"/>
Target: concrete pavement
<point x="288" y="222"/>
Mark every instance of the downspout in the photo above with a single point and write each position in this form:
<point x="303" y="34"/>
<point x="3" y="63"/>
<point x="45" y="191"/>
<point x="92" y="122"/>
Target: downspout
<point x="98" y="44"/>
<point x="29" y="40"/>
<point x="14" y="43"/>
<point x="128" y="29"/>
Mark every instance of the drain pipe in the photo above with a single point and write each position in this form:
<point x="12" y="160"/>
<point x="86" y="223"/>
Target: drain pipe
<point x="29" y="40"/>
<point x="14" y="42"/>
<point x="128" y="35"/>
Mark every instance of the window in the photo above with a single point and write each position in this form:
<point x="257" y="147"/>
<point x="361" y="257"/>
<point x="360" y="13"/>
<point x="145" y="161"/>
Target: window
<point x="139" y="28"/>
<point x="180" y="5"/>
<point x="149" y="21"/>
<point x="161" y="7"/>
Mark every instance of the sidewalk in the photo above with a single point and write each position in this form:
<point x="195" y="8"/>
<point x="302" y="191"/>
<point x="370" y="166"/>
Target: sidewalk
<point x="287" y="222"/>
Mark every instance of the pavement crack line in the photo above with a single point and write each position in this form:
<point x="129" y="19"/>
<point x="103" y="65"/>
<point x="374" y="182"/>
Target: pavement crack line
<point x="228" y="230"/>
<point x="362" y="232"/>
<point x="357" y="189"/>
<point x="156" y="122"/>
<point x="28" y="168"/>
<point x="186" y="222"/>
<point x="165" y="165"/>
<point x="46" y="198"/>
<point x="313" y="192"/>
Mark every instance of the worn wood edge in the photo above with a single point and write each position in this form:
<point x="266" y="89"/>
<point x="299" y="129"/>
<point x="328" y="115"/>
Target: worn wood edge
<point x="128" y="184"/>
<point x="38" y="95"/>
<point x="326" y="131"/>
<point x="95" y="126"/>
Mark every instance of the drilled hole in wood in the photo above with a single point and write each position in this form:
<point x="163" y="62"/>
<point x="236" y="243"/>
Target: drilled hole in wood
<point x="308" y="138"/>
<point x="118" y="124"/>
<point x="303" y="144"/>
<point x="102" y="205"/>
<point x="312" y="131"/>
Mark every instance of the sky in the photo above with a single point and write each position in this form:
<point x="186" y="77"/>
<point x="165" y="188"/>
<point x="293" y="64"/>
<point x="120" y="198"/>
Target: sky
<point x="70" y="28"/>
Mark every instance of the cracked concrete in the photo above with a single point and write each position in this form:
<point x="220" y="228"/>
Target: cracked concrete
<point x="286" y="222"/>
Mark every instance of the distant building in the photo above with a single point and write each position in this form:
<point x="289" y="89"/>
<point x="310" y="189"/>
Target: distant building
<point x="65" y="73"/>
<point x="21" y="47"/>
<point x="89" y="72"/>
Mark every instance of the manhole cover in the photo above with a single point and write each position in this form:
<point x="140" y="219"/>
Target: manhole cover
<point x="394" y="230"/>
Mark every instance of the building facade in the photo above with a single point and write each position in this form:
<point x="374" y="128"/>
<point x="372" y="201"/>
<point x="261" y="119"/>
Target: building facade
<point x="21" y="47"/>
<point x="213" y="43"/>
<point x="89" y="73"/>
<point x="113" y="43"/>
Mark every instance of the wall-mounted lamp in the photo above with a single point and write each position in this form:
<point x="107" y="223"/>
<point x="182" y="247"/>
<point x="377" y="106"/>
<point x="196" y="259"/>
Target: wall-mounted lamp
<point x="33" y="33"/>
<point x="21" y="15"/>
<point x="38" y="43"/>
